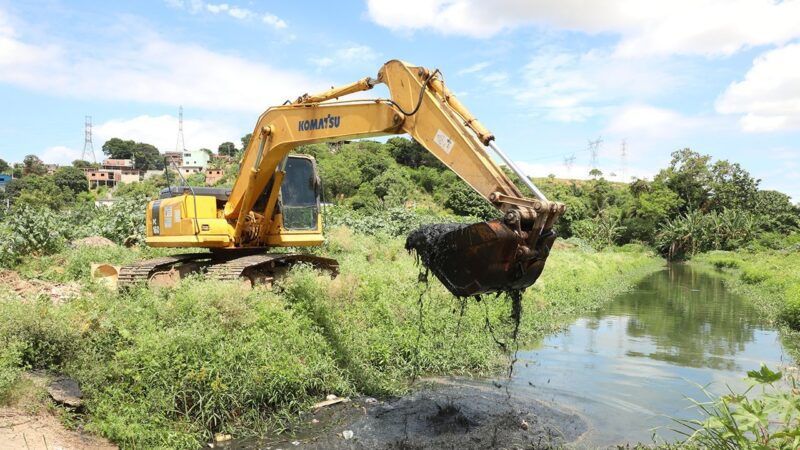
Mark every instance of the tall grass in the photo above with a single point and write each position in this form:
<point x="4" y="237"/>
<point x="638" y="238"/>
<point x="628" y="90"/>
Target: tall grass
<point x="168" y="368"/>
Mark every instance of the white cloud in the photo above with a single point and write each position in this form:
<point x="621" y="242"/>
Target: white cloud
<point x="494" y="78"/>
<point x="239" y="13"/>
<point x="61" y="155"/>
<point x="354" y="54"/>
<point x="650" y="121"/>
<point x="709" y="27"/>
<point x="572" y="87"/>
<point x="149" y="69"/>
<point x="273" y="21"/>
<point x="162" y="131"/>
<point x="554" y="84"/>
<point x="477" y="67"/>
<point x="769" y="95"/>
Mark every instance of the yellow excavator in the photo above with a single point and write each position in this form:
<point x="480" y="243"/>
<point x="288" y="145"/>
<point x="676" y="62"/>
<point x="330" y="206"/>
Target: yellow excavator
<point x="275" y="200"/>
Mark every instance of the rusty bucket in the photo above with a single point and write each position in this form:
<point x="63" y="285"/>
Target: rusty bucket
<point x="480" y="258"/>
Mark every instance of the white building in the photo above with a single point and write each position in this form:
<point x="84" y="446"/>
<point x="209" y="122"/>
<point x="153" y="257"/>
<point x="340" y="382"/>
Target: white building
<point x="195" y="158"/>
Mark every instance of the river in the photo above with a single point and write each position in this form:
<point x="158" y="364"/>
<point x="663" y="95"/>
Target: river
<point x="627" y="368"/>
<point x="612" y="377"/>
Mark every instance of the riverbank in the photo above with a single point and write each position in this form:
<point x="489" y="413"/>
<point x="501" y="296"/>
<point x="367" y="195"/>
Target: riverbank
<point x="771" y="280"/>
<point x="175" y="367"/>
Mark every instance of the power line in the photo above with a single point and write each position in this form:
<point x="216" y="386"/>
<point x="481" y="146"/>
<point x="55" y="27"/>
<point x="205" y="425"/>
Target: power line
<point x="88" y="146"/>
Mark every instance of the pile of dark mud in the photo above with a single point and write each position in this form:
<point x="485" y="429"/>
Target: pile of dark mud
<point x="440" y="417"/>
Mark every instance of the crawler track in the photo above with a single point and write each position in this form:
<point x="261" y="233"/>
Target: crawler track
<point x="222" y="266"/>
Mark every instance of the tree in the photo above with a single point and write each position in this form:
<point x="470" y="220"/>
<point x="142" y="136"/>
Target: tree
<point x="595" y="173"/>
<point x="4" y="167"/>
<point x="32" y="165"/>
<point x="116" y="148"/>
<point x="145" y="156"/>
<point x="246" y="140"/>
<point x="410" y="153"/>
<point x="778" y="214"/>
<point x="464" y="201"/>
<point x="227" y="149"/>
<point x="81" y="164"/>
<point x="731" y="186"/>
<point x="688" y="175"/>
<point x="18" y="171"/>
<point x="72" y="179"/>
<point x="38" y="191"/>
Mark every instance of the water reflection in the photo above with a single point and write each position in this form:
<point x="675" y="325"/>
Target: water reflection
<point x="689" y="317"/>
<point x="631" y="364"/>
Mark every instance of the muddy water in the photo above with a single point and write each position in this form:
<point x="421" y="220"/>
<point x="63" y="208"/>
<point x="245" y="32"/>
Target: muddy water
<point x="629" y="366"/>
<point x="612" y="377"/>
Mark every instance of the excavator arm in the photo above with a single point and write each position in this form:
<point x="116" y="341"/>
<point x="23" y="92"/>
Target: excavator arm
<point x="506" y="254"/>
<point x="420" y="105"/>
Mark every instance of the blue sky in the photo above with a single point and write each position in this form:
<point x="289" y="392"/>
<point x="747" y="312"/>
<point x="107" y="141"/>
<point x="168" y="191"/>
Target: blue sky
<point x="721" y="77"/>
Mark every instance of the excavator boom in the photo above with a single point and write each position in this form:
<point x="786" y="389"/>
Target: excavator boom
<point x="499" y="255"/>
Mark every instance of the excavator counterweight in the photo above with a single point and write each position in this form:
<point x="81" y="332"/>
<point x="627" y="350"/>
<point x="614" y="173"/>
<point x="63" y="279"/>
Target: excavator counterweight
<point x="275" y="199"/>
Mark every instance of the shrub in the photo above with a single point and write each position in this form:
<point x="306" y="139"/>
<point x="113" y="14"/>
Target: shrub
<point x="791" y="308"/>
<point x="10" y="367"/>
<point x="725" y="263"/>
<point x="754" y="275"/>
<point x="768" y="419"/>
<point x="30" y="231"/>
<point x="41" y="334"/>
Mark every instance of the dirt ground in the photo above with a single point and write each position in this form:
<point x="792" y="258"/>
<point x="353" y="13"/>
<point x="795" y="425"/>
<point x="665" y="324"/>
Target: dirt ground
<point x="58" y="293"/>
<point x="23" y="431"/>
<point x="452" y="416"/>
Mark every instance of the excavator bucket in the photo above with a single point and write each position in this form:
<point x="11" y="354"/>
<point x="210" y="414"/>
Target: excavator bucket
<point x="480" y="258"/>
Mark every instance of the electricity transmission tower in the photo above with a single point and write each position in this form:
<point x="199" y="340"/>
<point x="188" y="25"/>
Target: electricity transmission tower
<point x="594" y="148"/>
<point x="624" y="151"/>
<point x="569" y="161"/>
<point x="88" y="147"/>
<point x="180" y="145"/>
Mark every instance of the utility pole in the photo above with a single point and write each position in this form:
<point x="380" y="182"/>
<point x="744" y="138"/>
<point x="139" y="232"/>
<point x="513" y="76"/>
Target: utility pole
<point x="180" y="145"/>
<point x="594" y="148"/>
<point x="88" y="147"/>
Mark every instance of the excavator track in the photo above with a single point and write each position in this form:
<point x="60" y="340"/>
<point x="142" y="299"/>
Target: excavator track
<point x="225" y="267"/>
<point x="143" y="270"/>
<point x="234" y="269"/>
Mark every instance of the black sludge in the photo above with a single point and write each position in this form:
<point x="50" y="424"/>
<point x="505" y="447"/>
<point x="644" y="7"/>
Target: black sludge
<point x="478" y="258"/>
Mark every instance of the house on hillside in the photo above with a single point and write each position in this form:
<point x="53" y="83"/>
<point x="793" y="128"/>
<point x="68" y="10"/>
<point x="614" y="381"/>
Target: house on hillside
<point x="213" y="176"/>
<point x="102" y="177"/>
<point x="174" y="159"/>
<point x="195" y="158"/>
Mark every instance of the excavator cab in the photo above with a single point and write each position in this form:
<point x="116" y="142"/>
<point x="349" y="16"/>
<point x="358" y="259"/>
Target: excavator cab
<point x="300" y="194"/>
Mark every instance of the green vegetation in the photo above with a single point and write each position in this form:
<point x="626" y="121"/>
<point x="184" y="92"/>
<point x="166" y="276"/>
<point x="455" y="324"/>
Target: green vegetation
<point x="171" y="367"/>
<point x="770" y="279"/>
<point x="768" y="419"/>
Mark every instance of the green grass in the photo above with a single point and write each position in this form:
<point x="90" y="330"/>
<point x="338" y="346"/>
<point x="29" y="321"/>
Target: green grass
<point x="168" y="368"/>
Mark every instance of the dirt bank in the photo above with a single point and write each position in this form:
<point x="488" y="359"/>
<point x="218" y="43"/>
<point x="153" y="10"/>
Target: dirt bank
<point x="20" y="430"/>
<point x="438" y="417"/>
